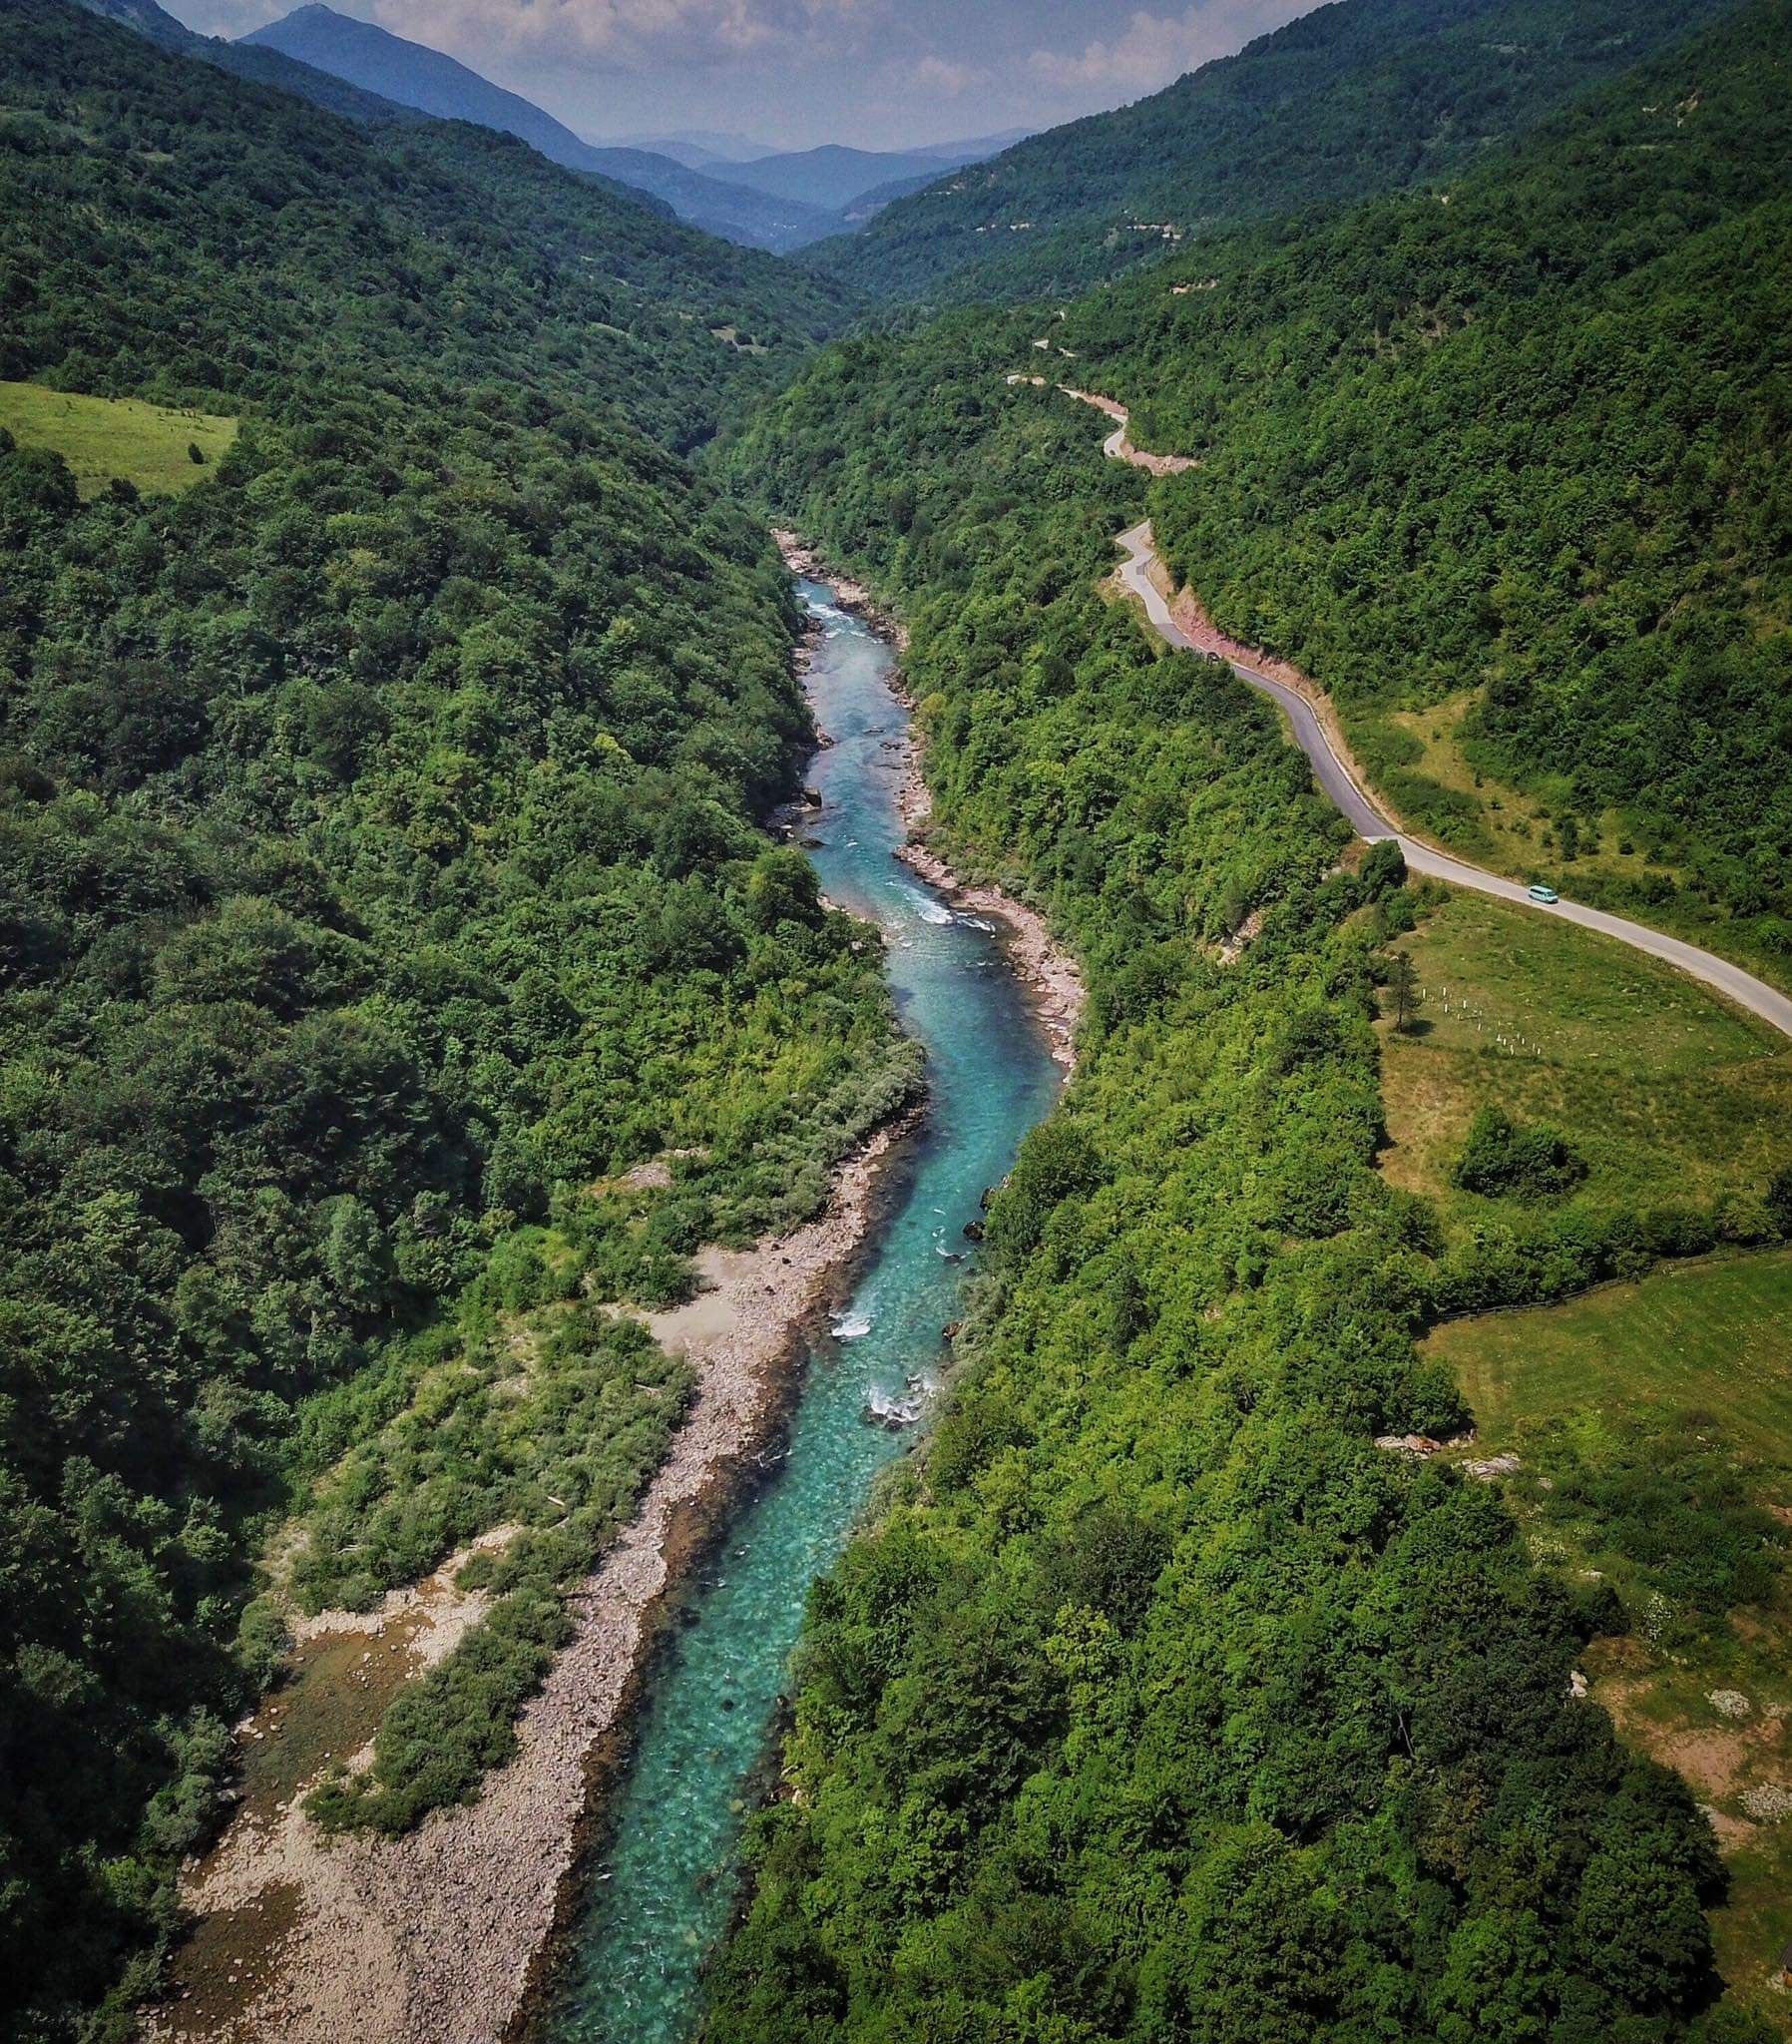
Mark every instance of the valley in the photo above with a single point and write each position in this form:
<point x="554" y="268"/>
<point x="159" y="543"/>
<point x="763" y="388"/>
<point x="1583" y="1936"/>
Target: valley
<point x="834" y="1209"/>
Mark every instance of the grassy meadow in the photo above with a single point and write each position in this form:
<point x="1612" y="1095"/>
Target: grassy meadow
<point x="103" y="438"/>
<point x="1654" y="1425"/>
<point x="1653" y="1420"/>
<point x="1664" y="1090"/>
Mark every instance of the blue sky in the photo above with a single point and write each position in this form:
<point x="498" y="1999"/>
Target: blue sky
<point x="876" y="73"/>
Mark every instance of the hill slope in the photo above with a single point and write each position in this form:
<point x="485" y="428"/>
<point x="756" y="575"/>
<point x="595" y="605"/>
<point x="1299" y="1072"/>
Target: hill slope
<point x="1508" y="475"/>
<point x="415" y="76"/>
<point x="1358" y="96"/>
<point x="1164" y="1697"/>
<point x="406" y="231"/>
<point x="379" y="885"/>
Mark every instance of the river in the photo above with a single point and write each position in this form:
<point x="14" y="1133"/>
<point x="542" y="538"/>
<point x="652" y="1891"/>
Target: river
<point x="659" y="1897"/>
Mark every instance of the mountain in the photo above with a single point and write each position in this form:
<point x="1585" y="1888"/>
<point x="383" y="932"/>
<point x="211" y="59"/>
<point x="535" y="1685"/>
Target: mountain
<point x="869" y="204"/>
<point x="374" y="822"/>
<point x="1516" y="489"/>
<point x="979" y="146"/>
<point x="418" y="77"/>
<point x="833" y="176"/>
<point x="696" y="147"/>
<point x="266" y="67"/>
<point x="1174" y="1695"/>
<point x="1354" y="97"/>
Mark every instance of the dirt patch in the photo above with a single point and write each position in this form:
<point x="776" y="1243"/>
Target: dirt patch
<point x="329" y="1704"/>
<point x="1721" y="1762"/>
<point x="229" y="1964"/>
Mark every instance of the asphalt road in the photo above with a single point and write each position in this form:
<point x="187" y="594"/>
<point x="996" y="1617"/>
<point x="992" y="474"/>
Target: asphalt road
<point x="1371" y="824"/>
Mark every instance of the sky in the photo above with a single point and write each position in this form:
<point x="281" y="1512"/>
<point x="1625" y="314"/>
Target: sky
<point x="793" y="73"/>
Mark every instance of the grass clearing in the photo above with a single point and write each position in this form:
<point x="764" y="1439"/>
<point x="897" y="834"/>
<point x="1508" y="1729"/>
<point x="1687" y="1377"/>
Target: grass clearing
<point x="1420" y="763"/>
<point x="1667" y="1092"/>
<point x="102" y="438"/>
<point x="1713" y="1335"/>
<point x="1655" y="1424"/>
<point x="1508" y="827"/>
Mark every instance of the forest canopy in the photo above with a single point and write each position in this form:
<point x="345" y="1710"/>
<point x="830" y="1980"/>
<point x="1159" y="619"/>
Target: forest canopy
<point x="1165" y="1701"/>
<point x="383" y="876"/>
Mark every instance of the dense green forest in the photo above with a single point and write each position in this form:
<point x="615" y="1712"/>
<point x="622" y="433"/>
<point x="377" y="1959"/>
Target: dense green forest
<point x="1360" y="97"/>
<point x="1160" y="1703"/>
<point x="380" y="878"/>
<point x="383" y="882"/>
<point x="1522" y="435"/>
<point x="140" y="259"/>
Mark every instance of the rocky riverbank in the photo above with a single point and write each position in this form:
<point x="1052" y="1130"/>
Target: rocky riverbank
<point x="433" y="1938"/>
<point x="851" y="595"/>
<point x="1042" y="964"/>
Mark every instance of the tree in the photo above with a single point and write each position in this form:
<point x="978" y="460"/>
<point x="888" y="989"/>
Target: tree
<point x="1502" y="1156"/>
<point x="1404" y="988"/>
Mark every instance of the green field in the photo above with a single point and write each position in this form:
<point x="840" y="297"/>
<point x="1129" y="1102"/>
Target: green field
<point x="1654" y="1423"/>
<point x="1667" y="1092"/>
<point x="105" y="437"/>
<point x="1713" y="1335"/>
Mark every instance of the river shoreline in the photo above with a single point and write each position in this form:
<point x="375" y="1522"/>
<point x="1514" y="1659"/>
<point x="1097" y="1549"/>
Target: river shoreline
<point x="1046" y="969"/>
<point x="447" y="1935"/>
<point x="664" y="1864"/>
<point x="440" y="1937"/>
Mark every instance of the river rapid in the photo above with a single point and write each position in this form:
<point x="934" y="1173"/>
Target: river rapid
<point x="658" y="1897"/>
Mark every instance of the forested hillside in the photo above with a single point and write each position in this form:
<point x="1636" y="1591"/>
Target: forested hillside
<point x="413" y="76"/>
<point x="438" y="244"/>
<point x="1354" y="97"/>
<point x="1161" y="1703"/>
<point x="380" y="880"/>
<point x="1512" y="451"/>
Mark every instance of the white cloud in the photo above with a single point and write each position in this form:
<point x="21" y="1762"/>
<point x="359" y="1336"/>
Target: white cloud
<point x="1152" y="49"/>
<point x="625" y="31"/>
<point x="936" y="74"/>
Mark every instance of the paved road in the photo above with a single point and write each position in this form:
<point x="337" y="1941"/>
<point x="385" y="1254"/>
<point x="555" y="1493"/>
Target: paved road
<point x="1368" y="822"/>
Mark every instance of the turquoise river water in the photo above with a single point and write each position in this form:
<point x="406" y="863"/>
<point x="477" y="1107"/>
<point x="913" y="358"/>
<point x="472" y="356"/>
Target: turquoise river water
<point x="660" y="1895"/>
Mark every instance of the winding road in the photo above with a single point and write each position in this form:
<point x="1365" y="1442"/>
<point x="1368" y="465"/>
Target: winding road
<point x="1370" y="821"/>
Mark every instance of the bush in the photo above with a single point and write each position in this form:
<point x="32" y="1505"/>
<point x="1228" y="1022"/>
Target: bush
<point x="1503" y="1157"/>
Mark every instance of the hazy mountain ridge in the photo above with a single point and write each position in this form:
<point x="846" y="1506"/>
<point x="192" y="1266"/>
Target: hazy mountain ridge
<point x="839" y="177"/>
<point x="416" y="76"/>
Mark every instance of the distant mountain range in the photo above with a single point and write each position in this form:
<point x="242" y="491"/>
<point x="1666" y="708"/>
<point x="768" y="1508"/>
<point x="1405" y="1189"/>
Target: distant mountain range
<point x="702" y="149"/>
<point x="416" y="76"/>
<point x="727" y="183"/>
<point x="836" y="177"/>
<point x="696" y="147"/>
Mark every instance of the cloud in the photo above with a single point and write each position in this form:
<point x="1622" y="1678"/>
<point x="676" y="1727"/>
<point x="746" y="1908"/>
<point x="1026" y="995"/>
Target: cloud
<point x="704" y="32"/>
<point x="937" y="74"/>
<point x="1152" y="50"/>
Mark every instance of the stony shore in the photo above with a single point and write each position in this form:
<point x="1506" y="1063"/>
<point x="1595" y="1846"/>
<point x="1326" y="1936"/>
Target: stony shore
<point x="1043" y="967"/>
<point x="433" y="1938"/>
<point x="438" y="1938"/>
<point x="802" y="559"/>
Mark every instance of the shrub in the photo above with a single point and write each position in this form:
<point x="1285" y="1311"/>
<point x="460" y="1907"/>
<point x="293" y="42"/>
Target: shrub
<point x="1506" y="1156"/>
